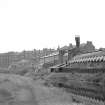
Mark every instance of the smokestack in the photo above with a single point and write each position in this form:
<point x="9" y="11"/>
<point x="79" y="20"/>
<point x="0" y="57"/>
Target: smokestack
<point x="77" y="39"/>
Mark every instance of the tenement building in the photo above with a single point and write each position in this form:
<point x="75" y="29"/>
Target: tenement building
<point x="80" y="48"/>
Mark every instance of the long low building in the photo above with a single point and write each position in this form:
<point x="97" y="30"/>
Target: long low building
<point x="52" y="58"/>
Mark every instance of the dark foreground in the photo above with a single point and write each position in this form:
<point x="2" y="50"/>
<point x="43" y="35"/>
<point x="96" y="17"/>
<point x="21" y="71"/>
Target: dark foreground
<point x="17" y="90"/>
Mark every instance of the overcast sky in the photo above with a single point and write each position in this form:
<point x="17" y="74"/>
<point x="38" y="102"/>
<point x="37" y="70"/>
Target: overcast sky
<point x="29" y="24"/>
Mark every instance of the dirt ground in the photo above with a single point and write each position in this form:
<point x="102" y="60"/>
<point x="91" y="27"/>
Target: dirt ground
<point x="51" y="95"/>
<point x="17" y="90"/>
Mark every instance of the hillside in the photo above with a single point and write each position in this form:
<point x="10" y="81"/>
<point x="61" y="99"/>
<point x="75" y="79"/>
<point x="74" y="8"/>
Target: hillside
<point x="19" y="90"/>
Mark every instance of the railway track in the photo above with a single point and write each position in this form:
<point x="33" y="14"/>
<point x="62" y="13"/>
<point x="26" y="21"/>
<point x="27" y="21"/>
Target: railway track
<point x="87" y="100"/>
<point x="84" y="96"/>
<point x="83" y="77"/>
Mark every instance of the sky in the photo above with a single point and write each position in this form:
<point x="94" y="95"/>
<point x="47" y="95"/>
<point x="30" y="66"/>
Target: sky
<point x="38" y="24"/>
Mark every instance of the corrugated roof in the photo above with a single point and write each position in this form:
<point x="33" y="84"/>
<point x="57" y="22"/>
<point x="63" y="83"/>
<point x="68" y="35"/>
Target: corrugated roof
<point x="94" y="56"/>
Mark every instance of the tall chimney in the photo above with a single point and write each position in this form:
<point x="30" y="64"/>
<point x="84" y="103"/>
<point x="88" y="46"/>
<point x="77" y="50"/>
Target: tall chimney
<point x="77" y="39"/>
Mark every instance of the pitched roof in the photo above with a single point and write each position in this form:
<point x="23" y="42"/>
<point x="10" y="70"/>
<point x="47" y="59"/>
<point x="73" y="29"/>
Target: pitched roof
<point x="94" y="56"/>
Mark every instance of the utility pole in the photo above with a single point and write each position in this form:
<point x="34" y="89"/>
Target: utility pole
<point x="24" y="54"/>
<point x="7" y="59"/>
<point x="44" y="59"/>
<point x="54" y="59"/>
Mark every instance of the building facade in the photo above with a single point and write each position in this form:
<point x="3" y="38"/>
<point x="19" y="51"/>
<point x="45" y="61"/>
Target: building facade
<point x="81" y="48"/>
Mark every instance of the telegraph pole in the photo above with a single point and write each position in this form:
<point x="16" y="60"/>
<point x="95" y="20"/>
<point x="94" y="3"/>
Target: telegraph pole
<point x="24" y="54"/>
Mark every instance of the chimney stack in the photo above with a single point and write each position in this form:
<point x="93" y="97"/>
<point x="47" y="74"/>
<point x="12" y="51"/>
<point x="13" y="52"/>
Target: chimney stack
<point x="77" y="39"/>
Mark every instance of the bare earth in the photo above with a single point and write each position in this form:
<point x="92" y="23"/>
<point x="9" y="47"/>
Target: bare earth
<point x="17" y="90"/>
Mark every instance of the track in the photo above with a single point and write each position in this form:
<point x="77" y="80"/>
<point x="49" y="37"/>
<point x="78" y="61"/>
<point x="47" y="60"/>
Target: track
<point x="87" y="100"/>
<point x="83" y="77"/>
<point x="83" y="96"/>
<point x="79" y="86"/>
